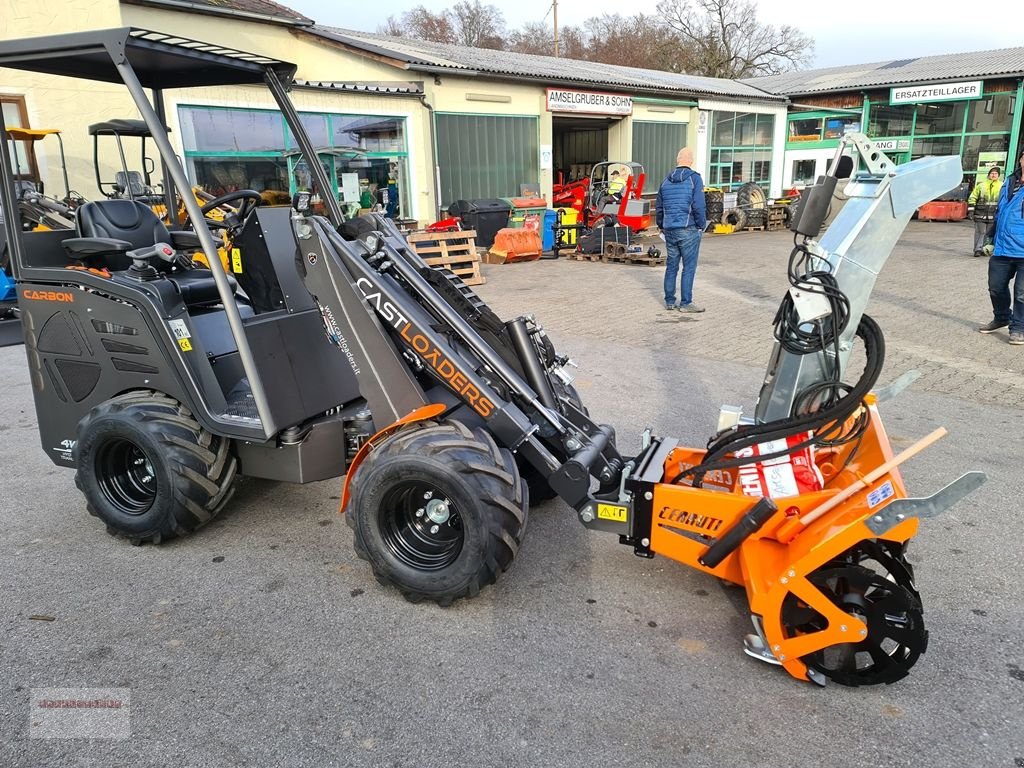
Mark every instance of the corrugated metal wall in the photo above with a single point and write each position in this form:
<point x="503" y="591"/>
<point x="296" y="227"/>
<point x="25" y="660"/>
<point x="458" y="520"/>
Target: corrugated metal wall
<point x="576" y="147"/>
<point x="655" y="146"/>
<point x="485" y="156"/>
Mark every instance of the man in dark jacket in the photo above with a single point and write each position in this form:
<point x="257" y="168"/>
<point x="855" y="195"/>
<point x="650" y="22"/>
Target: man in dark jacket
<point x="681" y="219"/>
<point x="1006" y="264"/>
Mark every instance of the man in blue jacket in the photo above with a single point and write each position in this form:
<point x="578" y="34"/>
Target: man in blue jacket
<point x="1006" y="264"/>
<point x="681" y="218"/>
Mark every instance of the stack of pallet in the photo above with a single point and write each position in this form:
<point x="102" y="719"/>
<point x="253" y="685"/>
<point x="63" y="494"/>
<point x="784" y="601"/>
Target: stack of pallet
<point x="454" y="251"/>
<point x="776" y="217"/>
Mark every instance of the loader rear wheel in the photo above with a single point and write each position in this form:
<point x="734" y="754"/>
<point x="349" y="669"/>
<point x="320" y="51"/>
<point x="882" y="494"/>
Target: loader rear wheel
<point x="438" y="510"/>
<point x="895" y="638"/>
<point x="149" y="470"/>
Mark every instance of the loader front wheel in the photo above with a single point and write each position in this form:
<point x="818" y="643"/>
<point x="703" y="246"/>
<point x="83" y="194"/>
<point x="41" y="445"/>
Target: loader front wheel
<point x="149" y="470"/>
<point x="438" y="510"/>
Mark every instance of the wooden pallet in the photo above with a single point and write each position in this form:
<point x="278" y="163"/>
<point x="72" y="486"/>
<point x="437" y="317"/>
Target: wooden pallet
<point x="578" y="256"/>
<point x="616" y="253"/>
<point x="454" y="251"/>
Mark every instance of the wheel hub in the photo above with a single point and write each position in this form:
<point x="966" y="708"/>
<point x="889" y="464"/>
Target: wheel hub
<point x="421" y="526"/>
<point x="437" y="511"/>
<point x="126" y="476"/>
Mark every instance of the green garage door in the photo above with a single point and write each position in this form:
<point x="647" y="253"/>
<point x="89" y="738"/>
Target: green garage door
<point x="485" y="156"/>
<point x="655" y="146"/>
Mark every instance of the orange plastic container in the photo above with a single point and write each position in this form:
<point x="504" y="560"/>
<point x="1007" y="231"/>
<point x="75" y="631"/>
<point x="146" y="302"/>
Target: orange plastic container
<point x="943" y="211"/>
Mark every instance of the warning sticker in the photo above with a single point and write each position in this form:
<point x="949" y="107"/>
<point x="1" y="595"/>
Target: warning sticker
<point x="185" y="344"/>
<point x="612" y="512"/>
<point x="880" y="494"/>
<point x="236" y="261"/>
<point x="180" y="329"/>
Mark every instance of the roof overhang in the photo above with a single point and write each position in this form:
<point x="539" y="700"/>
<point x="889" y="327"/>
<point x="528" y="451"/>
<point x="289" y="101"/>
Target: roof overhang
<point x="158" y="59"/>
<point x="210" y="10"/>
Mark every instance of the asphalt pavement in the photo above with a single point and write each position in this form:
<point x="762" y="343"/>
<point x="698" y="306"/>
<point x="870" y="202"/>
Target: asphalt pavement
<point x="262" y="640"/>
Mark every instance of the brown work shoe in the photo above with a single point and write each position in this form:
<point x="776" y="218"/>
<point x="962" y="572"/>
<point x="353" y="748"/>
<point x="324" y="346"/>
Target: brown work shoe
<point x="995" y="325"/>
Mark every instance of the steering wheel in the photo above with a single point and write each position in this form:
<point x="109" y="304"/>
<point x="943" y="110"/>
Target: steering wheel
<point x="234" y="218"/>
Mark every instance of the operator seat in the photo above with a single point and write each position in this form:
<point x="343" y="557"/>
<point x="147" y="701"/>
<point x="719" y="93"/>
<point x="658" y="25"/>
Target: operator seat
<point x="135" y="223"/>
<point x="131" y="186"/>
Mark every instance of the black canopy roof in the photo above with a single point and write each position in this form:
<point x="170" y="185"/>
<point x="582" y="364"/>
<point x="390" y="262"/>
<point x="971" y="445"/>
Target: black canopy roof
<point x="122" y="127"/>
<point x="159" y="60"/>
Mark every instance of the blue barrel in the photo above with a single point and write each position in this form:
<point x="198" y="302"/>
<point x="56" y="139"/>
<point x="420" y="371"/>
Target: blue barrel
<point x="547" y="232"/>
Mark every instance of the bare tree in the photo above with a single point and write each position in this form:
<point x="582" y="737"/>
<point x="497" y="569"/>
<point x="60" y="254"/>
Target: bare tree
<point x="533" y="37"/>
<point x="478" y="25"/>
<point x="537" y="37"/>
<point x="636" y="41"/>
<point x="423" y="24"/>
<point x="393" y="26"/>
<point x="725" y="39"/>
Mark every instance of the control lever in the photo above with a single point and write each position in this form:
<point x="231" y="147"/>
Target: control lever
<point x="142" y="267"/>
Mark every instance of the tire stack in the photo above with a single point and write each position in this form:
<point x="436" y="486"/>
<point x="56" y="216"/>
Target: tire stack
<point x="714" y="201"/>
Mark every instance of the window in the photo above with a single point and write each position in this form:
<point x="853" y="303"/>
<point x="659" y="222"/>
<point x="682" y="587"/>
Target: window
<point x="741" y="149"/>
<point x="835" y="127"/>
<point x="805" y="130"/>
<point x="946" y="145"/>
<point x="890" y="121"/>
<point x="940" y="118"/>
<point x="22" y="157"/>
<point x="231" y="149"/>
<point x="723" y="129"/>
<point x="220" y="175"/>
<point x="372" y="134"/>
<point x="803" y="171"/>
<point x="992" y="114"/>
<point x="231" y="130"/>
<point x="655" y="146"/>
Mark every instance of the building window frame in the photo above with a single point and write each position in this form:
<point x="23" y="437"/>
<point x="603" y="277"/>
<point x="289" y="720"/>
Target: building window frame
<point x="288" y="145"/>
<point x="739" y="149"/>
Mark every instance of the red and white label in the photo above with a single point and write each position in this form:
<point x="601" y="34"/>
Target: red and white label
<point x="788" y="475"/>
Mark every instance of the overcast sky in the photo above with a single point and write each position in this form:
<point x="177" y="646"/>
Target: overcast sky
<point x="844" y="32"/>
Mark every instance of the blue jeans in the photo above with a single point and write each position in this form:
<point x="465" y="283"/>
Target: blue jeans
<point x="681" y="244"/>
<point x="1003" y="270"/>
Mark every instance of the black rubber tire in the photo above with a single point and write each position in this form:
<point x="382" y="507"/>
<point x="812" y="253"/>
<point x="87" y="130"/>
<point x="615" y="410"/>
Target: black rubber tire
<point x="735" y="216"/>
<point x="750" y="197"/>
<point x="194" y="471"/>
<point x="478" y="478"/>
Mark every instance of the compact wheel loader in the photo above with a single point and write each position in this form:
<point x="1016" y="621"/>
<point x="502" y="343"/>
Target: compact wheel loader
<point x="333" y="350"/>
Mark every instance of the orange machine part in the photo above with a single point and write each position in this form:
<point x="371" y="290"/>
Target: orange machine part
<point x="686" y="520"/>
<point x="515" y="245"/>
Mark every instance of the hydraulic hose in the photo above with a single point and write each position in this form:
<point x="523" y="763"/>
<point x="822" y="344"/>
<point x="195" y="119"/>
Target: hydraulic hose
<point x="826" y="424"/>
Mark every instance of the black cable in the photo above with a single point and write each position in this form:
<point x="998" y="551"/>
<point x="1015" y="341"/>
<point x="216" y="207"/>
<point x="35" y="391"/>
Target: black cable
<point x="826" y="424"/>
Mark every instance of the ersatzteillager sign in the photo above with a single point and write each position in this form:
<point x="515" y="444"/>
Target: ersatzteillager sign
<point x="915" y="94"/>
<point x="590" y="102"/>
